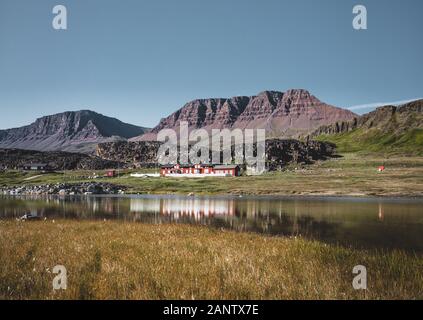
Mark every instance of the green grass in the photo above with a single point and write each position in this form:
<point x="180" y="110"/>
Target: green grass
<point x="353" y="174"/>
<point x="376" y="141"/>
<point x="117" y="260"/>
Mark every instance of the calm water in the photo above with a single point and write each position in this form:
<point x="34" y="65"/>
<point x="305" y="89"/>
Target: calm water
<point x="396" y="223"/>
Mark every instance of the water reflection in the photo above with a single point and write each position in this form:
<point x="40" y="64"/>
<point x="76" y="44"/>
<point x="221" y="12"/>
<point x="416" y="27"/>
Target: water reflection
<point x="352" y="222"/>
<point x="380" y="215"/>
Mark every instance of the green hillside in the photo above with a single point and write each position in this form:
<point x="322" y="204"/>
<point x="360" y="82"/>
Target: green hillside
<point x="388" y="130"/>
<point x="375" y="140"/>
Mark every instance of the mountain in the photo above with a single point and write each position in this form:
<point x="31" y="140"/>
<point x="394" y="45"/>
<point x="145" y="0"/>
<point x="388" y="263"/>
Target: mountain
<point x="290" y="114"/>
<point x="388" y="129"/>
<point x="76" y="131"/>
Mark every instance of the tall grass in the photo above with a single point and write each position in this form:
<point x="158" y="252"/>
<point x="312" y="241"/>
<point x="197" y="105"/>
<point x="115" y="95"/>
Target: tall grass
<point x="117" y="260"/>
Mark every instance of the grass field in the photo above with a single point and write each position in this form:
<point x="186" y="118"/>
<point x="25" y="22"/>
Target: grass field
<point x="109" y="260"/>
<point x="352" y="174"/>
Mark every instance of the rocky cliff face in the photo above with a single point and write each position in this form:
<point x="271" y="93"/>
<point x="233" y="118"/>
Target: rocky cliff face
<point x="76" y="131"/>
<point x="291" y="114"/>
<point x="392" y="119"/>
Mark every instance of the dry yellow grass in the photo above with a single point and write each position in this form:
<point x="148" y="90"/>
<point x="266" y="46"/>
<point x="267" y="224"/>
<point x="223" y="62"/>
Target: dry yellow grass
<point x="117" y="260"/>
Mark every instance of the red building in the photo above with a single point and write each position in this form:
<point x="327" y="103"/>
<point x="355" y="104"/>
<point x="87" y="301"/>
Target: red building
<point x="110" y="173"/>
<point x="232" y="170"/>
<point x="200" y="169"/>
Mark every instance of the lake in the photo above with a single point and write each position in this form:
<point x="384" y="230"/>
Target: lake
<point x="355" y="222"/>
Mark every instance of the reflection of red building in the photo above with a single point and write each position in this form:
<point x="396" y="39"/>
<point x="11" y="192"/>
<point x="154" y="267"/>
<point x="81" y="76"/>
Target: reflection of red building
<point x="200" y="169"/>
<point x="197" y="207"/>
<point x="185" y="207"/>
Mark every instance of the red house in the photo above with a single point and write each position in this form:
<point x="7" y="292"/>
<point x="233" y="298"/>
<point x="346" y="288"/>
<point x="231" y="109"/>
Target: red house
<point x="110" y="173"/>
<point x="229" y="170"/>
<point x="200" y="169"/>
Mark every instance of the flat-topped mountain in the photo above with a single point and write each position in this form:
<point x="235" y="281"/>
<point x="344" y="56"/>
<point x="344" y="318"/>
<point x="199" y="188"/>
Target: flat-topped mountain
<point x="288" y="114"/>
<point x="68" y="131"/>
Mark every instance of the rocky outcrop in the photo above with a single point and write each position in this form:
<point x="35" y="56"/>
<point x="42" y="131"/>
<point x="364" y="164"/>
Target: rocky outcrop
<point x="279" y="153"/>
<point x="84" y="188"/>
<point x="77" y="131"/>
<point x="57" y="160"/>
<point x="291" y="114"/>
<point x="390" y="119"/>
<point x="123" y="154"/>
<point x="136" y="154"/>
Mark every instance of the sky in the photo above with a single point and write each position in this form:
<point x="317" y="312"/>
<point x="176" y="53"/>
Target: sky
<point x="140" y="60"/>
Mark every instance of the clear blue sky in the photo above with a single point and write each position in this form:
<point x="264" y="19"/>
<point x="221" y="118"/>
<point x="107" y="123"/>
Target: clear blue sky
<point x="139" y="60"/>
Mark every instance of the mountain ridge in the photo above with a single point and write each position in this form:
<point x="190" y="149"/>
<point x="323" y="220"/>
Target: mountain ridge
<point x="68" y="131"/>
<point x="295" y="113"/>
<point x="289" y="114"/>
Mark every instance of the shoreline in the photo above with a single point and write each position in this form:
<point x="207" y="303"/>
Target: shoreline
<point x="351" y="176"/>
<point x="304" y="196"/>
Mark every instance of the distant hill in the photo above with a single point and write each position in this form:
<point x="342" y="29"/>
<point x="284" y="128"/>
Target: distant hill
<point x="288" y="114"/>
<point x="57" y="160"/>
<point x="388" y="129"/>
<point x="76" y="131"/>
